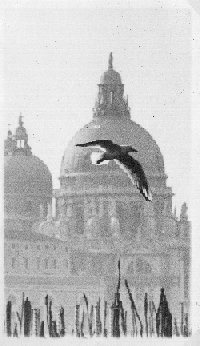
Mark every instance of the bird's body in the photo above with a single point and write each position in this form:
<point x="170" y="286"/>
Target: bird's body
<point x="120" y="154"/>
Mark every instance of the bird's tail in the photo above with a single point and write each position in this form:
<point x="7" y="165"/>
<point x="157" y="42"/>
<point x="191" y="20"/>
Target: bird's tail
<point x="146" y="192"/>
<point x="144" y="189"/>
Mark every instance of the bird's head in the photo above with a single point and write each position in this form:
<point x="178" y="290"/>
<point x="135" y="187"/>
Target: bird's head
<point x="131" y="150"/>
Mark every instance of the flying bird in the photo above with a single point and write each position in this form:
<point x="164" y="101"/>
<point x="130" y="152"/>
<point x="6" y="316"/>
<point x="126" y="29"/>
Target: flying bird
<point x="120" y="154"/>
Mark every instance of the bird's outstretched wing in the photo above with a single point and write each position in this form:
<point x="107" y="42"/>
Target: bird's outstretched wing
<point x="102" y="143"/>
<point x="136" y="173"/>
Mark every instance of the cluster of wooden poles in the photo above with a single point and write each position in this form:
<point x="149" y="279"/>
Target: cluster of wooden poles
<point x="88" y="319"/>
<point x="29" y="321"/>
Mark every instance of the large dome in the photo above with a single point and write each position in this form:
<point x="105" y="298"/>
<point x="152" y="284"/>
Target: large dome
<point x="121" y="131"/>
<point x="111" y="120"/>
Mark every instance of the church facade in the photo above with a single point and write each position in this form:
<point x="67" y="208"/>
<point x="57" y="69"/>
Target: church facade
<point x="100" y="218"/>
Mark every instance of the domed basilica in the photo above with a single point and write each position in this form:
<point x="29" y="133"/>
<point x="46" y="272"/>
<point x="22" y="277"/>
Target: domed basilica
<point x="100" y="218"/>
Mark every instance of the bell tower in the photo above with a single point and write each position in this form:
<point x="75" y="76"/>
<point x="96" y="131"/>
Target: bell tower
<point x="110" y="99"/>
<point x="21" y="139"/>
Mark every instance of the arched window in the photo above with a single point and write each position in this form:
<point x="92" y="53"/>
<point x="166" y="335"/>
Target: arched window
<point x="54" y="264"/>
<point x="105" y="225"/>
<point x="20" y="143"/>
<point x="97" y="264"/>
<point x="38" y="262"/>
<point x="79" y="217"/>
<point x="25" y="262"/>
<point x="78" y="263"/>
<point x="111" y="97"/>
<point x="46" y="263"/>
<point x="143" y="267"/>
<point x="131" y="268"/>
<point x="28" y="207"/>
<point x="13" y="263"/>
<point x="129" y="215"/>
<point x="159" y="206"/>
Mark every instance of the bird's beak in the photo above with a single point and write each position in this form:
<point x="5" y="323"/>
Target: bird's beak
<point x="134" y="150"/>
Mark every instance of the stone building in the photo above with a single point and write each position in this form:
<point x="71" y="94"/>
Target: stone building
<point x="100" y="217"/>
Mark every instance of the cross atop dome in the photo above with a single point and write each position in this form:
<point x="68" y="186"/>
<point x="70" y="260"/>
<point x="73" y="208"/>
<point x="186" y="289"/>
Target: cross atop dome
<point x="21" y="123"/>
<point x="110" y="61"/>
<point x="9" y="131"/>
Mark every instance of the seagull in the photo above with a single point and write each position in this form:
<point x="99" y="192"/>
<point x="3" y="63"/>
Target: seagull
<point x="120" y="154"/>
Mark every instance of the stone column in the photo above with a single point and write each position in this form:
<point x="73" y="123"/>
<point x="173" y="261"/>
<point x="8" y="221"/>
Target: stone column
<point x="182" y="296"/>
<point x="54" y="207"/>
<point x="69" y="211"/>
<point x="150" y="218"/>
<point x="69" y="268"/>
<point x="112" y="207"/>
<point x="101" y="206"/>
<point x="41" y="211"/>
<point x="89" y="207"/>
<point x="49" y="215"/>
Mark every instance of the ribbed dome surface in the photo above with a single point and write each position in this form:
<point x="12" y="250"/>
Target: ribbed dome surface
<point x="26" y="174"/>
<point x="121" y="131"/>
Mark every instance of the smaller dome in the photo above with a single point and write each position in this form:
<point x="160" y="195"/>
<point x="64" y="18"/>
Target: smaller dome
<point x="26" y="174"/>
<point x="27" y="181"/>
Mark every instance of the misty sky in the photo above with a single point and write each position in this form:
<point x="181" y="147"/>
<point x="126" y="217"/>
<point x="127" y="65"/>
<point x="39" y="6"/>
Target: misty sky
<point x="54" y="59"/>
<point x="54" y="56"/>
